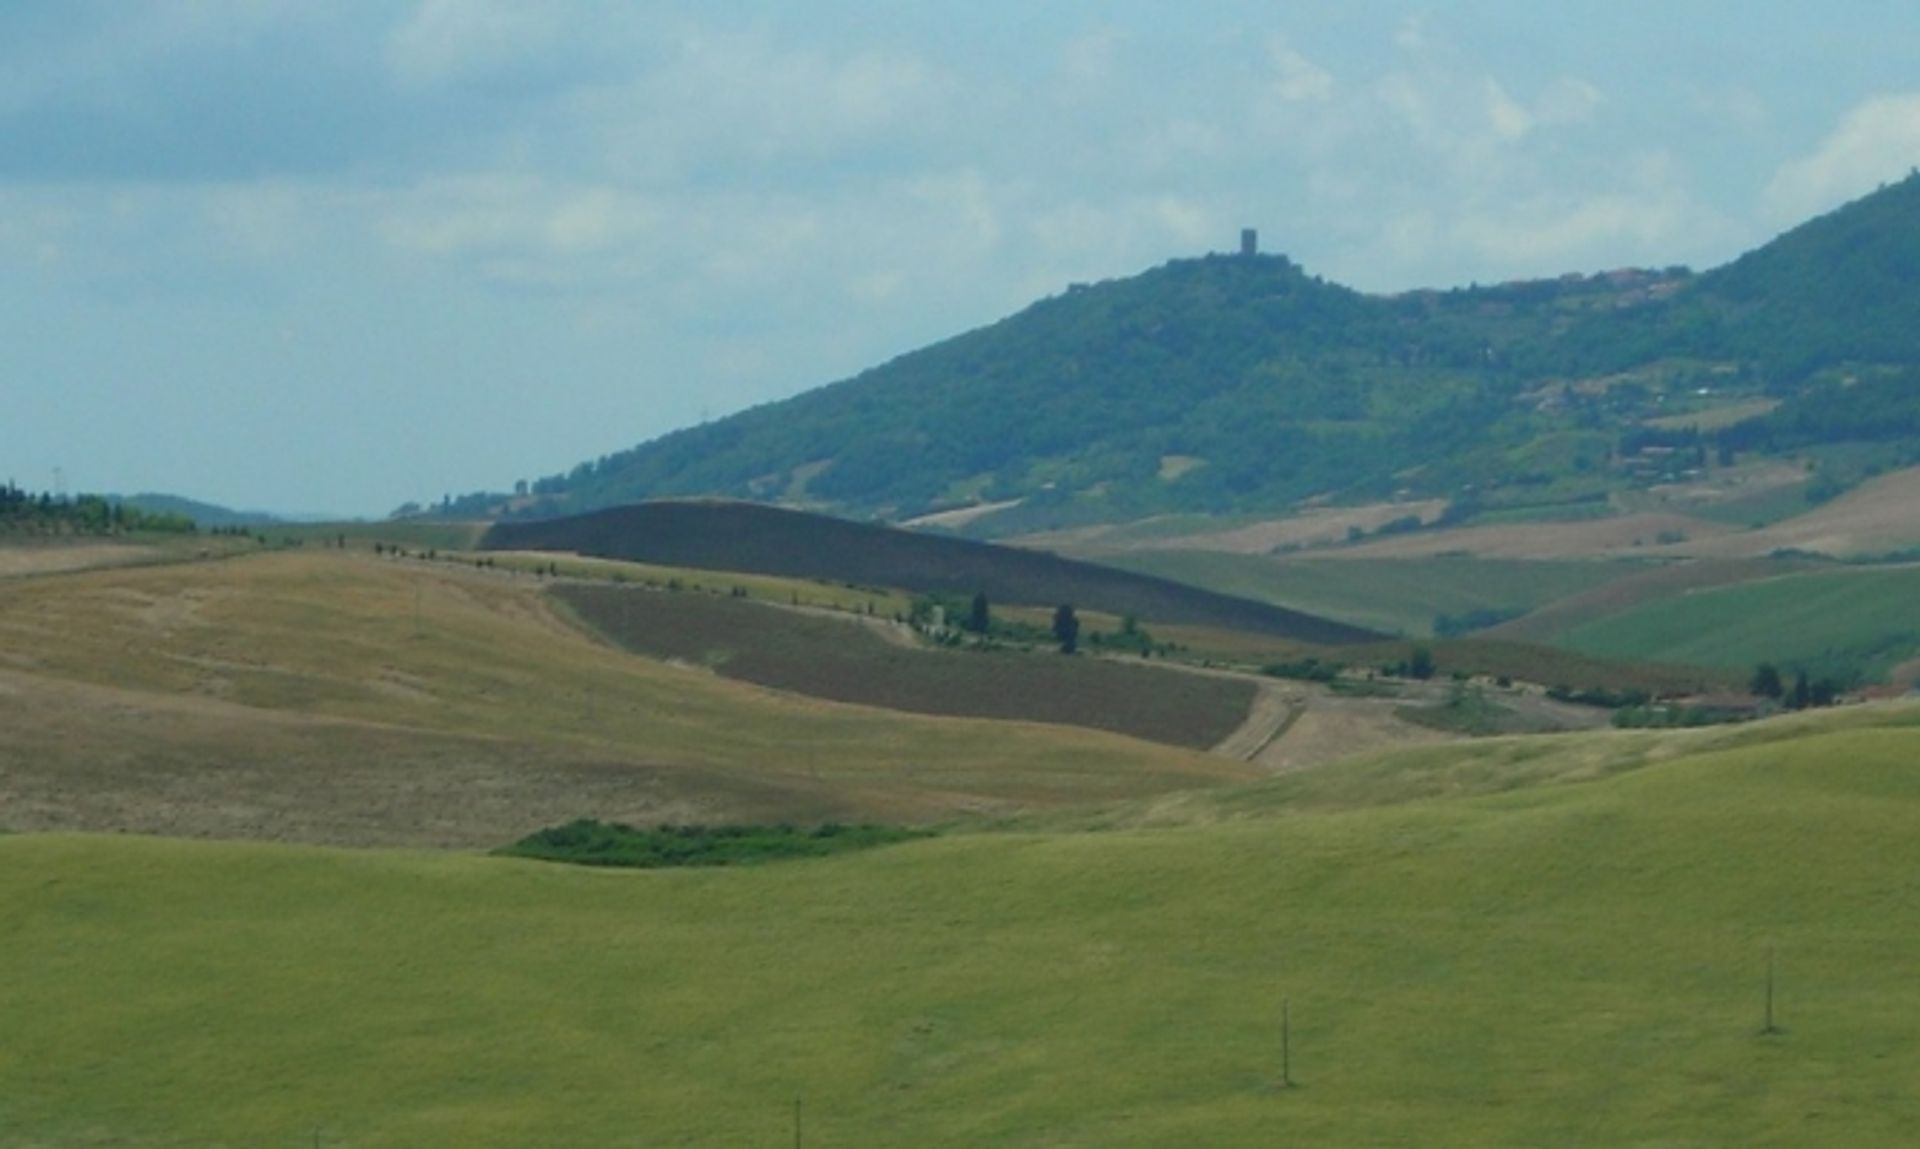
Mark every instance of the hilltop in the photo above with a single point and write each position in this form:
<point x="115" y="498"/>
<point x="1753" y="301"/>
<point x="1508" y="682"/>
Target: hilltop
<point x="729" y="536"/>
<point x="1243" y="383"/>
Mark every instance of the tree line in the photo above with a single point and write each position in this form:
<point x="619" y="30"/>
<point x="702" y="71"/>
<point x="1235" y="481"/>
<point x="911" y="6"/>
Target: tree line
<point x="23" y="512"/>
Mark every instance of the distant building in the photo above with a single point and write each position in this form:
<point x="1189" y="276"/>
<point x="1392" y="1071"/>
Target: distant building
<point x="1249" y="241"/>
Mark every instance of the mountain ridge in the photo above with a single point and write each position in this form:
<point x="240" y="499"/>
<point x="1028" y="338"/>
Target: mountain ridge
<point x="1242" y="382"/>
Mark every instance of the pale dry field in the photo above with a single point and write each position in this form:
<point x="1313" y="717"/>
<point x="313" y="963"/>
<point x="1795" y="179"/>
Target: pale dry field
<point x="1881" y="515"/>
<point x="22" y="561"/>
<point x="322" y="697"/>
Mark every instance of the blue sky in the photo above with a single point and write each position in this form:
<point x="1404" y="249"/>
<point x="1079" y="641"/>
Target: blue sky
<point x="334" y="257"/>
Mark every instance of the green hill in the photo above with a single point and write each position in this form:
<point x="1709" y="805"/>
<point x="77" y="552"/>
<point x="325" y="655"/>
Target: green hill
<point x="748" y="537"/>
<point x="1242" y="382"/>
<point x="1564" y="945"/>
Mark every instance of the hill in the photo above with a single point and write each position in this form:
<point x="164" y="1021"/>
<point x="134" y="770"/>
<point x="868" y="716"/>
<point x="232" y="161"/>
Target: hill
<point x="333" y="697"/>
<point x="770" y="540"/>
<point x="203" y="514"/>
<point x="1557" y="944"/>
<point x="1244" y="383"/>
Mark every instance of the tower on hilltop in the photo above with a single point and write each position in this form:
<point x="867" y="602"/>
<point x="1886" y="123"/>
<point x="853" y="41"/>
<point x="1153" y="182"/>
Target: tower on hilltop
<point x="1249" y="241"/>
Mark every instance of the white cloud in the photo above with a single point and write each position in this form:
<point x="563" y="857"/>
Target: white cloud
<point x="1297" y="79"/>
<point x="448" y="41"/>
<point x="1508" y="119"/>
<point x="514" y="224"/>
<point x="1411" y="35"/>
<point x="1089" y="64"/>
<point x="1568" y="100"/>
<point x="1877" y="141"/>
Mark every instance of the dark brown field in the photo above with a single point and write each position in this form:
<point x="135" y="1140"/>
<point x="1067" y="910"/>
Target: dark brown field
<point x="731" y="536"/>
<point x="842" y="660"/>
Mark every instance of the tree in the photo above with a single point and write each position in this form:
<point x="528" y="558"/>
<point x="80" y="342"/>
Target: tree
<point x="1802" y="693"/>
<point x="979" y="615"/>
<point x="1420" y="665"/>
<point x="1766" y="681"/>
<point x="1066" y="628"/>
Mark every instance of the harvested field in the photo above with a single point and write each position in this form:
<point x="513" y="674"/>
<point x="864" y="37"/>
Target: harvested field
<point x="1626" y="536"/>
<point x="330" y="698"/>
<point x="1322" y="526"/>
<point x="18" y="560"/>
<point x="1878" y="517"/>
<point x="841" y="660"/>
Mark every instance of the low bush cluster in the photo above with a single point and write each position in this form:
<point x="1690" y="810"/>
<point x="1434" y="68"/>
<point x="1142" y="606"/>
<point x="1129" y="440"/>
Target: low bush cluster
<point x="588" y="842"/>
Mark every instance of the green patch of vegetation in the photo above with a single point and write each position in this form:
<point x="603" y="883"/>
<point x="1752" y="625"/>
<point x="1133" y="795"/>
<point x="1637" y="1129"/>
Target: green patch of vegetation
<point x="1760" y="509"/>
<point x="588" y="842"/>
<point x="24" y="513"/>
<point x="1455" y="625"/>
<point x="1307" y="669"/>
<point x="1850" y="625"/>
<point x="1364" y="688"/>
<point x="1465" y="711"/>
<point x="1404" y="596"/>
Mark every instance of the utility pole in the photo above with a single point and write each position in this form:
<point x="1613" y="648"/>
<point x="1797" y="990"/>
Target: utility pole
<point x="1286" y="1043"/>
<point x="1769" y="1028"/>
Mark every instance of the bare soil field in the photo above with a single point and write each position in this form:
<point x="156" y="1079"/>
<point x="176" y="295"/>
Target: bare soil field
<point x="829" y="658"/>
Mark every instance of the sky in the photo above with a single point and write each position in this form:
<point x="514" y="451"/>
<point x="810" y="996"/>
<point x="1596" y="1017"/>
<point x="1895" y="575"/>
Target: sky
<point x="331" y="258"/>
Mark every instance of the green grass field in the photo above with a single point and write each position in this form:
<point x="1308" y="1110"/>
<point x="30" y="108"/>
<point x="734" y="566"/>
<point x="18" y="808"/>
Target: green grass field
<point x="1401" y="596"/>
<point x="1556" y="942"/>
<point x="1856" y="621"/>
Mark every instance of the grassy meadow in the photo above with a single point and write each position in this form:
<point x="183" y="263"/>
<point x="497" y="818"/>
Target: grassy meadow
<point x="1394" y="596"/>
<point x="1555" y="942"/>
<point x="1855" y="621"/>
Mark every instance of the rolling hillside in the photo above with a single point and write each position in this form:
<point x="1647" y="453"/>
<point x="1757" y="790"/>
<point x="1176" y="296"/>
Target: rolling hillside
<point x="770" y="540"/>
<point x="334" y="697"/>
<point x="1559" y="943"/>
<point x="1236" y="383"/>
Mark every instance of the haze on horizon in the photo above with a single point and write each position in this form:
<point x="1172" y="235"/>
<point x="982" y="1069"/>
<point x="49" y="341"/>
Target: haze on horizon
<point x="338" y="257"/>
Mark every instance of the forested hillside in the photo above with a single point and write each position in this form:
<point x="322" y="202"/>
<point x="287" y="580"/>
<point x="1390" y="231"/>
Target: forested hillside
<point x="1244" y="383"/>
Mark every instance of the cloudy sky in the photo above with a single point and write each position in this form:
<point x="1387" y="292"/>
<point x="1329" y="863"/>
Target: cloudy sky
<point x="336" y="256"/>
